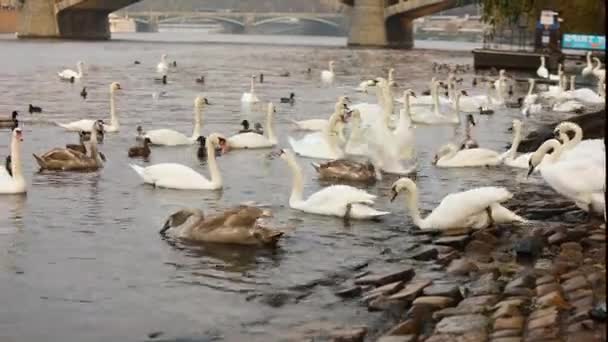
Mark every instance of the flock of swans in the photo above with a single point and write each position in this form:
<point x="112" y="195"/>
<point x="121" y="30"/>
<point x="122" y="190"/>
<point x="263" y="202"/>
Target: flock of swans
<point x="357" y="142"/>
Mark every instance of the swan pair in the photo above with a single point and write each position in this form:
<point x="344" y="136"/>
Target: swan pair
<point x="237" y="226"/>
<point x="181" y="177"/>
<point x="250" y="97"/>
<point x="335" y="200"/>
<point x="12" y="180"/>
<point x="71" y="75"/>
<point x="87" y="124"/>
<point x="170" y="137"/>
<point x="476" y="208"/>
<point x="254" y="139"/>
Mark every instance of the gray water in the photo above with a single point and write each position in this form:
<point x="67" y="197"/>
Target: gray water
<point x="80" y="256"/>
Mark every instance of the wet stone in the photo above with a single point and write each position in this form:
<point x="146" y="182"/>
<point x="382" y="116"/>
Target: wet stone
<point x="571" y="274"/>
<point x="543" y="312"/>
<point x="571" y="245"/>
<point x="386" y="278"/>
<point x="485" y="285"/>
<point x="578" y="294"/>
<point x="505" y="333"/>
<point x="462" y="267"/>
<point x="444" y="249"/>
<point x="456" y="231"/>
<point x="411" y="290"/>
<point x="597" y="237"/>
<point x="462" y="324"/>
<point x="519" y="291"/>
<point x="506" y="311"/>
<point x="485" y="237"/>
<point x="458" y="241"/>
<point x="526" y="280"/>
<point x="479" y="247"/>
<point x="515" y="322"/>
<point x="557" y="238"/>
<point x="575" y="283"/>
<point x="424" y="253"/>
<point x="387" y="289"/>
<point x="349" y="335"/>
<point x="542" y="334"/>
<point x="546" y="288"/>
<point x="470" y="305"/>
<point x="471" y="336"/>
<point x="512" y="301"/>
<point x="383" y="303"/>
<point x="551" y="299"/>
<point x="595" y="278"/>
<point x="407" y="327"/>
<point x="349" y="292"/>
<point x="582" y="325"/>
<point x="398" y="338"/>
<point x="571" y="255"/>
<point x="528" y="247"/>
<point x="544" y="321"/>
<point x="583" y="304"/>
<point x="545" y="279"/>
<point x="442" y="289"/>
<point x="446" y="258"/>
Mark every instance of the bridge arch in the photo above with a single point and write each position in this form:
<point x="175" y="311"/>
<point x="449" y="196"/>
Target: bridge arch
<point x="231" y="21"/>
<point x="312" y="19"/>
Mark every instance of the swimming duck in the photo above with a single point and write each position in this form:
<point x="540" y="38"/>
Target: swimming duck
<point x="83" y="93"/>
<point x="291" y="99"/>
<point x="469" y="142"/>
<point x="162" y="80"/>
<point x="10" y="122"/>
<point x="485" y="110"/>
<point x="239" y="226"/>
<point x="200" y="80"/>
<point x="35" y="109"/>
<point x="141" y="135"/>
<point x="141" y="151"/>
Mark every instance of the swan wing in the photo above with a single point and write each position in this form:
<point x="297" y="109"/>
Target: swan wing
<point x="68" y="73"/>
<point x="571" y="178"/>
<point x="311" y="148"/>
<point x="455" y="209"/>
<point x="249" y="140"/>
<point x="162" y="68"/>
<point x="249" y="97"/>
<point x="339" y="195"/>
<point x="472" y="157"/>
<point x="168" y="137"/>
<point x="311" y="125"/>
<point x="173" y="175"/>
<point x="76" y="126"/>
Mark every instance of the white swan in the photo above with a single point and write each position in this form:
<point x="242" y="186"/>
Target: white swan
<point x="558" y="76"/>
<point x="568" y="106"/>
<point x="327" y="76"/>
<point x="542" y="70"/>
<point x="13" y="182"/>
<point x="533" y="108"/>
<point x="451" y="156"/>
<point x="583" y="94"/>
<point x="577" y="148"/>
<point x="324" y="148"/>
<point x="169" y="137"/>
<point x="320" y="124"/>
<point x="404" y="133"/>
<point x="435" y="116"/>
<point x="69" y="74"/>
<point x="476" y="208"/>
<point x="356" y="144"/>
<point x="578" y="180"/>
<point x="250" y="97"/>
<point x="588" y="69"/>
<point x="87" y="124"/>
<point x="531" y="98"/>
<point x="162" y="67"/>
<point x="509" y="157"/>
<point x="336" y="200"/>
<point x="253" y="139"/>
<point x="598" y="71"/>
<point x="181" y="177"/>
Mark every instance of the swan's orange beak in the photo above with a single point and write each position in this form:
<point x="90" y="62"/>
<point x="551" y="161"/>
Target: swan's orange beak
<point x="224" y="147"/>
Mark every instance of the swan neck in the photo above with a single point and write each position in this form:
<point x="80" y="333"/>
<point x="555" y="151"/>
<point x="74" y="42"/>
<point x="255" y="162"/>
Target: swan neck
<point x="269" y="127"/>
<point x="531" y="89"/>
<point x="252" y="88"/>
<point x="515" y="142"/>
<point x="411" y="203"/>
<point x="79" y="67"/>
<point x="297" y="185"/>
<point x="113" y="118"/>
<point x="214" y="170"/>
<point x="578" y="137"/>
<point x="198" y="117"/>
<point x="331" y="135"/>
<point x="16" y="160"/>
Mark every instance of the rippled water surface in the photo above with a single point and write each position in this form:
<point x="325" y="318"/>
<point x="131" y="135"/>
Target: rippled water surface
<point x="80" y="256"/>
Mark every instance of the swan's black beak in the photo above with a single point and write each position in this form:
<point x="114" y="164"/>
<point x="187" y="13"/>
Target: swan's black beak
<point x="394" y="194"/>
<point x="471" y="119"/>
<point x="530" y="168"/>
<point x="435" y="160"/>
<point x="165" y="227"/>
<point x="412" y="94"/>
<point x="207" y="102"/>
<point x="556" y="135"/>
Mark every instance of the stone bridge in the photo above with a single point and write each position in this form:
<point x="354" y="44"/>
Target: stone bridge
<point x="372" y="22"/>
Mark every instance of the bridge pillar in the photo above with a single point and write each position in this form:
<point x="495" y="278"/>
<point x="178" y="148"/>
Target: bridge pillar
<point x="37" y="20"/>
<point x="367" y="27"/>
<point x="84" y="24"/>
<point x="400" y="32"/>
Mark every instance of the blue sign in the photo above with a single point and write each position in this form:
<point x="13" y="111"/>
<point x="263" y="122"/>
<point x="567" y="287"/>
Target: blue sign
<point x="583" y="42"/>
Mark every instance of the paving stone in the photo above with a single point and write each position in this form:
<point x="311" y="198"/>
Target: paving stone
<point x="399" y="338"/>
<point x="545" y="280"/>
<point x="405" y="274"/>
<point x="462" y="324"/>
<point x="407" y="327"/>
<point x="387" y="289"/>
<point x="457" y="241"/>
<point x="516" y="322"/>
<point x="575" y="283"/>
<point x="505" y="333"/>
<point x="462" y="267"/>
<point x="544" y="321"/>
<point x="511" y="301"/>
<point x="526" y="281"/>
<point x="542" y="312"/>
<point x="551" y="299"/>
<point x="542" y="290"/>
<point x="436" y="302"/>
<point x="356" y="334"/>
<point x="585" y="303"/>
<point x="578" y="294"/>
<point x="506" y="311"/>
<point x="471" y="305"/>
<point x="485" y="285"/>
<point x="542" y="334"/>
<point x="442" y="289"/>
<point x="424" y="253"/>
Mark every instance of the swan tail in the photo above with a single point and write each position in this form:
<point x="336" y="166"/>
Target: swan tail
<point x="501" y="214"/>
<point x="316" y="166"/>
<point x="294" y="122"/>
<point x="139" y="170"/>
<point x="40" y="162"/>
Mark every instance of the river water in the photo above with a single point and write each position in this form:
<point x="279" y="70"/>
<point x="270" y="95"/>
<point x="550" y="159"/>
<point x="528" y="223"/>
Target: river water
<point x="80" y="256"/>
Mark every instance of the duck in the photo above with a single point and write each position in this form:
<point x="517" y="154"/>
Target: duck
<point x="10" y="122"/>
<point x="485" y="111"/>
<point x="261" y="78"/>
<point x="291" y="99"/>
<point x="64" y="159"/>
<point x="136" y="62"/>
<point x="286" y="73"/>
<point x="476" y="208"/>
<point x="469" y="142"/>
<point x="87" y="124"/>
<point x="140" y="151"/>
<point x="347" y="170"/>
<point x="34" y="109"/>
<point x="252" y="140"/>
<point x="71" y="75"/>
<point x="81" y="147"/>
<point x="169" y="137"/>
<point x="180" y="177"/>
<point x="141" y="134"/>
<point x="237" y="226"/>
<point x="323" y="145"/>
<point x="83" y="93"/>
<point x="450" y="155"/>
<point x="588" y="69"/>
<point x="200" y="80"/>
<point x="162" y="79"/>
<point x="474" y="82"/>
<point x="12" y="180"/>
<point x="162" y="67"/>
<point x="250" y="97"/>
<point x="576" y="179"/>
<point x="336" y="200"/>
<point x="201" y="153"/>
<point x="328" y="76"/>
<point x="321" y="124"/>
<point x="542" y="71"/>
